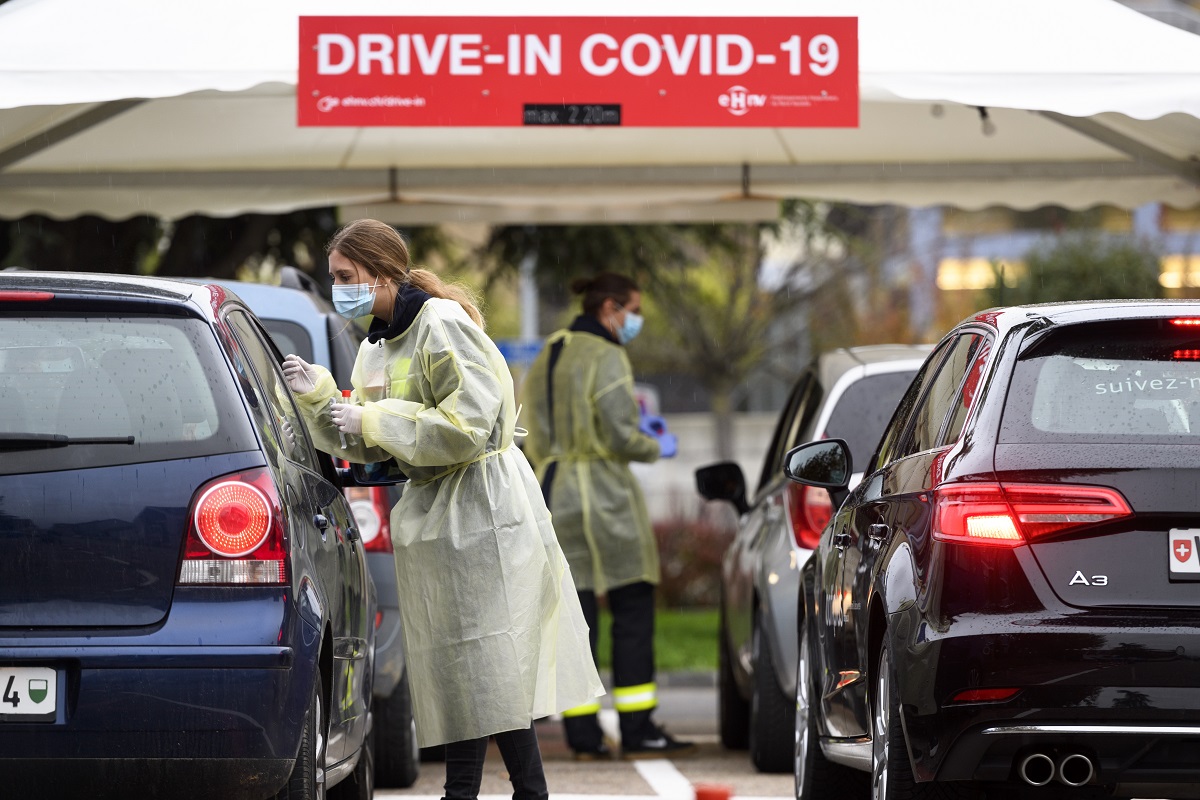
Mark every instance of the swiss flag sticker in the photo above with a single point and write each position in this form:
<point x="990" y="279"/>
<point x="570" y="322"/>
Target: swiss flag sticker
<point x="1181" y="549"/>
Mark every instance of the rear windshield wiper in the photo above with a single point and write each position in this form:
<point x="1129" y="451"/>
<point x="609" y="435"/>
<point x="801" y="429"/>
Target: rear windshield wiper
<point x="43" y="441"/>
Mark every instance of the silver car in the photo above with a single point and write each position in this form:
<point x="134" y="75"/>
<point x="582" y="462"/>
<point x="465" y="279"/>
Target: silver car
<point x="847" y="393"/>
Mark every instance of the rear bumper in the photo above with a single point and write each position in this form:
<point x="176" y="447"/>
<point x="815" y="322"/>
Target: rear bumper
<point x="120" y="778"/>
<point x="165" y="715"/>
<point x="1143" y="755"/>
<point x="1125" y="694"/>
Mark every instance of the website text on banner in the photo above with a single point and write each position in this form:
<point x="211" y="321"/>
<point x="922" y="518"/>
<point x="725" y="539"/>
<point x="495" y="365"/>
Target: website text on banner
<point x="651" y="71"/>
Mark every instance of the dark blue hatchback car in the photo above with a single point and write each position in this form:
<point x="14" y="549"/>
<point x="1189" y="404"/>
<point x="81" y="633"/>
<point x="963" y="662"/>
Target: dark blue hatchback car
<point x="185" y="607"/>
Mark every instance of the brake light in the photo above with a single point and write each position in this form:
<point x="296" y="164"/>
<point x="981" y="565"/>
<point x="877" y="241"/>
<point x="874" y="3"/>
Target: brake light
<point x="983" y="695"/>
<point x="24" y="296"/>
<point x="371" y="515"/>
<point x="809" y="509"/>
<point x="1006" y="515"/>
<point x="235" y="535"/>
<point x="1186" y="322"/>
<point x="1186" y="355"/>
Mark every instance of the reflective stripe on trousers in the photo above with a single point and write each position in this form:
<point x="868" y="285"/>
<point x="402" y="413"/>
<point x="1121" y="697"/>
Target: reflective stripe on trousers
<point x="635" y="698"/>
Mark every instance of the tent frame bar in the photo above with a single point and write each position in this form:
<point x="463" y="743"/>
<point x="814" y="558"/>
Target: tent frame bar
<point x="393" y="181"/>
<point x="64" y="130"/>
<point x="1139" y="151"/>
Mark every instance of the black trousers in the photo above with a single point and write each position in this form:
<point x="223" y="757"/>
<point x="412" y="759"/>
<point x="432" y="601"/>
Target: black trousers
<point x="522" y="759"/>
<point x="632" y="608"/>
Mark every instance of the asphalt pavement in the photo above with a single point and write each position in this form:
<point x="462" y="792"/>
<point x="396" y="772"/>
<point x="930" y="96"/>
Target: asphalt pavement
<point x="687" y="708"/>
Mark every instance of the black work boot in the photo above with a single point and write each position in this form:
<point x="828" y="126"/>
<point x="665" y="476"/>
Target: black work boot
<point x="655" y="742"/>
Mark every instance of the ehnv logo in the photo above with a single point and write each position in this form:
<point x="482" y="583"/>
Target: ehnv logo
<point x="739" y="100"/>
<point x="1182" y="550"/>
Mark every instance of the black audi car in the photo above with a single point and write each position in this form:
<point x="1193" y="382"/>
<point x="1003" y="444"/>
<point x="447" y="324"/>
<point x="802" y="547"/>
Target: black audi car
<point x="1008" y="603"/>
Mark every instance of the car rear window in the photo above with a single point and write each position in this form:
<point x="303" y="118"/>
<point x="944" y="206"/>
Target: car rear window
<point x="863" y="411"/>
<point x="122" y="389"/>
<point x="1107" y="382"/>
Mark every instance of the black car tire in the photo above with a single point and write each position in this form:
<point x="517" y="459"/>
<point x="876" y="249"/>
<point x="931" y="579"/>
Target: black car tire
<point x="891" y="771"/>
<point x="397" y="759"/>
<point x="816" y="777"/>
<point x="772" y="712"/>
<point x="733" y="712"/>
<point x="307" y="781"/>
<point x="359" y="784"/>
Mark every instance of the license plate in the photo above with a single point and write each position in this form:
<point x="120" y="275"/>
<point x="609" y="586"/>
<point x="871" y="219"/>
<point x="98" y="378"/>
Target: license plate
<point x="28" y="694"/>
<point x="1185" y="553"/>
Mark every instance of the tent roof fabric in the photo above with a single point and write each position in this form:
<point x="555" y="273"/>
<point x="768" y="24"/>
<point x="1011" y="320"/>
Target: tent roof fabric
<point x="1088" y="102"/>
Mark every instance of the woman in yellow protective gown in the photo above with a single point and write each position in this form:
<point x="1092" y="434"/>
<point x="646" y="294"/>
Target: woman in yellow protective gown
<point x="493" y="631"/>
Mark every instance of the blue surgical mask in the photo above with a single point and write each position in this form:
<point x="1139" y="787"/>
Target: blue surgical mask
<point x="354" y="300"/>
<point x="630" y="328"/>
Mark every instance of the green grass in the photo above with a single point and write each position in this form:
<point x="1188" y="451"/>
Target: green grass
<point x="684" y="640"/>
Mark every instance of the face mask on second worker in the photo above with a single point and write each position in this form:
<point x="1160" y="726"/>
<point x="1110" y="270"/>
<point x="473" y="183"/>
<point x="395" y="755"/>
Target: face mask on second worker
<point x="631" y="327"/>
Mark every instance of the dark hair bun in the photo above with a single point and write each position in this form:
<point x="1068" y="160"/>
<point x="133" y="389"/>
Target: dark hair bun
<point x="581" y="285"/>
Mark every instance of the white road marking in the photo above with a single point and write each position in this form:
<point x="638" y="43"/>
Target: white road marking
<point x="665" y="780"/>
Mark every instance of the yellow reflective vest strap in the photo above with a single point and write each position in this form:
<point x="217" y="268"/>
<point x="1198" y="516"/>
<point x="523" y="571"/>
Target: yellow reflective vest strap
<point x="584" y="710"/>
<point x="636" y="698"/>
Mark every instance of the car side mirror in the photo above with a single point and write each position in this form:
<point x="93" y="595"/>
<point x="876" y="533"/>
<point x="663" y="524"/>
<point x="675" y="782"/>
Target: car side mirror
<point x="824" y="463"/>
<point x="378" y="473"/>
<point x="723" y="481"/>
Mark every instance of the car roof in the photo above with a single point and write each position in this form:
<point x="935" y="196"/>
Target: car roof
<point x="284" y="302"/>
<point x="833" y="364"/>
<point x="1005" y="318"/>
<point x="200" y="296"/>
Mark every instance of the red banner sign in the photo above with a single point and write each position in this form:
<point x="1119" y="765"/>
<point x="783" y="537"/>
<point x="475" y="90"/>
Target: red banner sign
<point x="652" y="71"/>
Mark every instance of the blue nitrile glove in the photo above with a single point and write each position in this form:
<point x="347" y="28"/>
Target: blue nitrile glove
<point x="652" y="425"/>
<point x="668" y="446"/>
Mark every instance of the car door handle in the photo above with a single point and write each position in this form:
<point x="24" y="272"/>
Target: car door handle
<point x="321" y="521"/>
<point x="878" y="532"/>
<point x="841" y="540"/>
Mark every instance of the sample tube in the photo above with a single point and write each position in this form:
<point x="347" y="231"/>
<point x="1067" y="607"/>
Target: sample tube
<point x="345" y="399"/>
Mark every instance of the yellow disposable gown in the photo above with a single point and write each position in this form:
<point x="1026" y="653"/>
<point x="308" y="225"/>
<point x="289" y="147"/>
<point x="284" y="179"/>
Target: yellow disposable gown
<point x="591" y="434"/>
<point x="493" y="631"/>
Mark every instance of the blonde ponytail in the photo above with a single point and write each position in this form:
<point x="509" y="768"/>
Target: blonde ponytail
<point x="429" y="282"/>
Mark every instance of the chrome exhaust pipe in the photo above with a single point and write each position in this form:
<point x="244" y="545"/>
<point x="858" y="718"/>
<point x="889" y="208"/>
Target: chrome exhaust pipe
<point x="1075" y="769"/>
<point x="1037" y="769"/>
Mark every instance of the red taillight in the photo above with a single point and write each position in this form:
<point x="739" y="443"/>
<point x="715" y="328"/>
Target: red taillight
<point x="236" y="534"/>
<point x="232" y="518"/>
<point x="810" y="509"/>
<point x="1006" y="515"/>
<point x="1186" y="322"/>
<point x="1186" y="355"/>
<point x="24" y="296"/>
<point x="983" y="695"/>
<point x="371" y="515"/>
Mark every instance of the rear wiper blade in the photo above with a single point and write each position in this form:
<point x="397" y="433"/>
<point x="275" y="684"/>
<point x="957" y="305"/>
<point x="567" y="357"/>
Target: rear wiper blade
<point x="43" y="441"/>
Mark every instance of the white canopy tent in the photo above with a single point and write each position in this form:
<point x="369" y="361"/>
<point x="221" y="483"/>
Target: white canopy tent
<point x="139" y="106"/>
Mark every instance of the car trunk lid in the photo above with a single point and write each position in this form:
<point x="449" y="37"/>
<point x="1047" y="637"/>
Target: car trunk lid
<point x="1126" y="562"/>
<point x="97" y="547"/>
